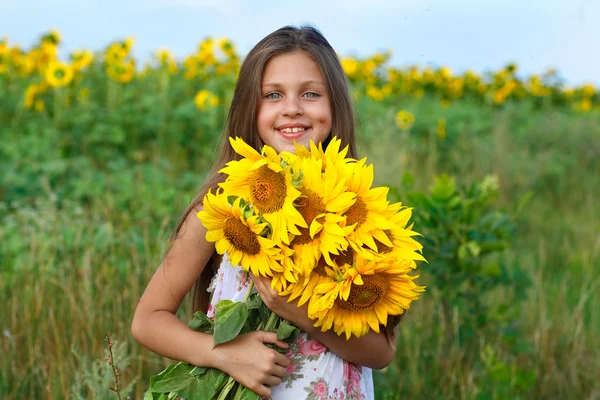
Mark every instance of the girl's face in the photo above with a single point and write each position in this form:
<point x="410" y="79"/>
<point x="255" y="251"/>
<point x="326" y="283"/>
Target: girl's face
<point x="294" y="104"/>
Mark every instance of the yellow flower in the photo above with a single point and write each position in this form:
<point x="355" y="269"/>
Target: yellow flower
<point x="375" y="93"/>
<point x="165" y="58"/>
<point x="58" y="74"/>
<point x="3" y="66"/>
<point x="81" y="59"/>
<point x="122" y="72"/>
<point x="386" y="290"/>
<point x="324" y="198"/>
<point x="25" y="65"/>
<point x="441" y="129"/>
<point x="368" y="215"/>
<point x="588" y="90"/>
<point x="499" y="96"/>
<point x="350" y="66"/>
<point x="585" y="105"/>
<point x="405" y="120"/>
<point x="205" y="99"/>
<point x="39" y="105"/>
<point x="267" y="186"/>
<point x="115" y="54"/>
<point x="238" y="236"/>
<point x="398" y="241"/>
<point x="30" y="93"/>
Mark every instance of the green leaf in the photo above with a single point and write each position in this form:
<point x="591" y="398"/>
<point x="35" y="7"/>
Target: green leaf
<point x="200" y="322"/>
<point x="248" y="394"/>
<point x="206" y="386"/>
<point x="175" y="380"/>
<point x="254" y="301"/>
<point x="285" y="330"/>
<point x="164" y="374"/>
<point x="230" y="318"/>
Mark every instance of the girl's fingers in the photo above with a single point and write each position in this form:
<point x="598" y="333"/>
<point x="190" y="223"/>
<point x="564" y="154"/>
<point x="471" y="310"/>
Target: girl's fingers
<point x="279" y="371"/>
<point x="262" y="390"/>
<point x="272" y="380"/>
<point x="271" y="337"/>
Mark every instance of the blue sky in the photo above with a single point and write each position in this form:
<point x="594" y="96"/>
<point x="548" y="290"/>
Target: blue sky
<point x="462" y="34"/>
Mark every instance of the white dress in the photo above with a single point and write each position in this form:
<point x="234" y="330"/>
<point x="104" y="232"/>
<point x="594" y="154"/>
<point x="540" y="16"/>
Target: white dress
<point x="315" y="373"/>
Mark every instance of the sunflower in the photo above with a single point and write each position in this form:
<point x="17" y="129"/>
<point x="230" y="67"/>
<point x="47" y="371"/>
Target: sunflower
<point x="58" y="74"/>
<point x="368" y="216"/>
<point x="330" y="156"/>
<point x="122" y="72"/>
<point x="206" y="99"/>
<point x="267" y="185"/>
<point x="282" y="281"/>
<point x="400" y="243"/>
<point x="81" y="59"/>
<point x="305" y="284"/>
<point x="324" y="198"/>
<point x="238" y="236"/>
<point x="387" y="290"/>
<point x="405" y="120"/>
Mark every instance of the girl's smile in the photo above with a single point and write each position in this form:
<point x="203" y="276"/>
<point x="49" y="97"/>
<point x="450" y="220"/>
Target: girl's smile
<point x="295" y="102"/>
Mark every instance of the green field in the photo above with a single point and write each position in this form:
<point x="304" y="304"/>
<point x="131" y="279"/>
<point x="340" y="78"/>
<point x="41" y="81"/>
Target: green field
<point x="93" y="179"/>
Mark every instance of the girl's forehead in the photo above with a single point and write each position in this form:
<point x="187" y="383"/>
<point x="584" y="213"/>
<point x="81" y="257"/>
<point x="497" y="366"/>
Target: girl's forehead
<point x="296" y="66"/>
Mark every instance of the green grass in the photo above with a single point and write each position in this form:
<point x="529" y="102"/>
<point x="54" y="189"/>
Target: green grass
<point x="85" y="221"/>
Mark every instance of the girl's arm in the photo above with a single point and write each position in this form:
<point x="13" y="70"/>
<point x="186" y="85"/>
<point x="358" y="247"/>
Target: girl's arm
<point x="373" y="350"/>
<point x="157" y="328"/>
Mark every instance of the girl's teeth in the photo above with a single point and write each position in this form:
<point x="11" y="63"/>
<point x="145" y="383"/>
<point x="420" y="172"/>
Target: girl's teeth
<point x="292" y="130"/>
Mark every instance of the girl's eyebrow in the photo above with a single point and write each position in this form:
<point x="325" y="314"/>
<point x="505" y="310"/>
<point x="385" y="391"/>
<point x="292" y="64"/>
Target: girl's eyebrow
<point x="304" y="83"/>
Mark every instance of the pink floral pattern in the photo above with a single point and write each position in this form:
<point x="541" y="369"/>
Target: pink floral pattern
<point x="314" y="373"/>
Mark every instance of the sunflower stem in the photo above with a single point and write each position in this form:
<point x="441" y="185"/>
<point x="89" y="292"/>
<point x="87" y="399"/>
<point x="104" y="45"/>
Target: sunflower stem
<point x="250" y="287"/>
<point x="272" y="321"/>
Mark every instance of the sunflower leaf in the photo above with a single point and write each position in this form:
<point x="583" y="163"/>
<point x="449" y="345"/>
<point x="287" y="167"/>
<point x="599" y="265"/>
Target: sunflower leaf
<point x="230" y="318"/>
<point x="248" y="394"/>
<point x="200" y="322"/>
<point x="285" y="330"/>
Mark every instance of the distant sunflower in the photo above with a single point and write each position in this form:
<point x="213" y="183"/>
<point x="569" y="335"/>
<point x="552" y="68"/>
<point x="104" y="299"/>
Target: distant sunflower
<point x="58" y="74"/>
<point x="324" y="198"/>
<point x="263" y="182"/>
<point x="239" y="237"/>
<point x="387" y="290"/>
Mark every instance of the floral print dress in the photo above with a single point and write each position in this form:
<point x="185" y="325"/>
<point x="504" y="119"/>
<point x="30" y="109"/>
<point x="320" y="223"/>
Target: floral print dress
<point x="315" y="373"/>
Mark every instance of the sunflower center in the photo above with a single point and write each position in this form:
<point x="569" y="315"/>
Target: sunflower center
<point x="357" y="214"/>
<point x="344" y="258"/>
<point x="383" y="248"/>
<point x="365" y="296"/>
<point x="320" y="268"/>
<point x="268" y="189"/>
<point x="309" y="205"/>
<point x="59" y="73"/>
<point x="241" y="236"/>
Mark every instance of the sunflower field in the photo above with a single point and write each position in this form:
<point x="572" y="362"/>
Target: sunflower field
<point x="100" y="152"/>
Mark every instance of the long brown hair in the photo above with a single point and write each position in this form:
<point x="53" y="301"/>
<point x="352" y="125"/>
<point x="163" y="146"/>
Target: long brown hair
<point x="242" y="117"/>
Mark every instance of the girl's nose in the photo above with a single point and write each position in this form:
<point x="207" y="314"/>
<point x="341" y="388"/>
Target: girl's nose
<point x="292" y="107"/>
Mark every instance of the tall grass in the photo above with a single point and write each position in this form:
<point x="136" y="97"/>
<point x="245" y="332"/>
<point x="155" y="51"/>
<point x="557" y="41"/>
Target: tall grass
<point x="73" y="271"/>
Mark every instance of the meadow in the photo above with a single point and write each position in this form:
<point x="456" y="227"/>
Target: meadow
<point x="100" y="154"/>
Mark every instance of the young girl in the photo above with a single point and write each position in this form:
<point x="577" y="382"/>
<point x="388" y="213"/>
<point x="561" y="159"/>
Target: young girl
<point x="291" y="87"/>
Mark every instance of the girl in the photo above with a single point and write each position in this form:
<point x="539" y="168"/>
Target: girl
<point x="291" y="87"/>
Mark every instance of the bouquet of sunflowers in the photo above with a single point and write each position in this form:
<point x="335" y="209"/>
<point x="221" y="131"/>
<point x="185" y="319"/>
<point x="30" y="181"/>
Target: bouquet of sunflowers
<point x="313" y="223"/>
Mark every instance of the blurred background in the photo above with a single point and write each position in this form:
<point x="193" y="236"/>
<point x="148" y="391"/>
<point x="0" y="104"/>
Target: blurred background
<point x="484" y="117"/>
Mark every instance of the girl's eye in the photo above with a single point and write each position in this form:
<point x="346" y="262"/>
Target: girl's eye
<point x="311" y="95"/>
<point x="273" y="96"/>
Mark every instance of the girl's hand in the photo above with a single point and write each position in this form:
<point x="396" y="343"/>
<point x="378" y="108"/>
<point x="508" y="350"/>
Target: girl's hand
<point x="279" y="304"/>
<point x="251" y="363"/>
